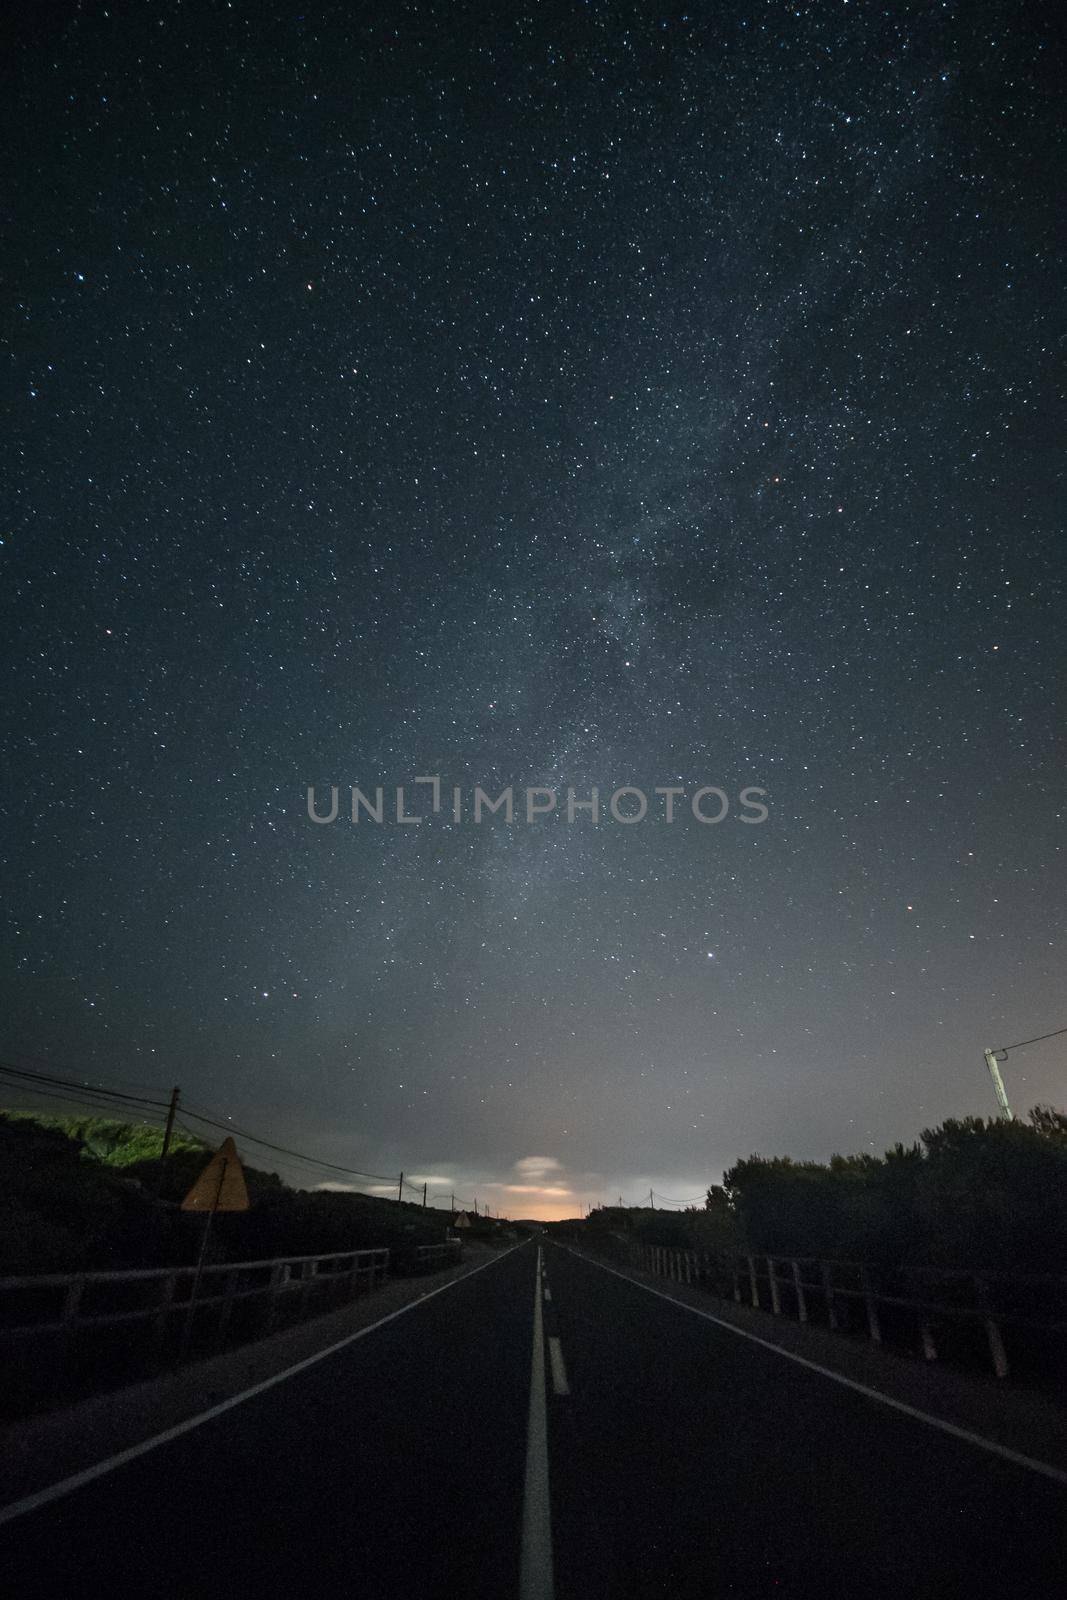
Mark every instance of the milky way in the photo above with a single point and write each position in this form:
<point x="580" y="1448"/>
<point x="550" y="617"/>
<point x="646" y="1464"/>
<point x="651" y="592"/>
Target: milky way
<point x="557" y="396"/>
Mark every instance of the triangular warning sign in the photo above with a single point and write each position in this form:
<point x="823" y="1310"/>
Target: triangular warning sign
<point x="221" y="1185"/>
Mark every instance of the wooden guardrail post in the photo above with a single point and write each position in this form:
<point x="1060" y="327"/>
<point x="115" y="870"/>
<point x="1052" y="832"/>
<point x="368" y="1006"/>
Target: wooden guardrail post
<point x="927" y="1343"/>
<point x="752" y="1282"/>
<point x="997" y="1353"/>
<point x="828" y="1291"/>
<point x="227" y="1306"/>
<point x="277" y="1278"/>
<point x="71" y="1306"/>
<point x="874" y="1326"/>
<point x="776" y="1303"/>
<point x="798" y="1287"/>
<point x="161" y="1320"/>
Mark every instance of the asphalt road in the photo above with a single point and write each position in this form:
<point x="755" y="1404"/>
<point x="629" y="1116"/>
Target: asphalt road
<point x="623" y="1448"/>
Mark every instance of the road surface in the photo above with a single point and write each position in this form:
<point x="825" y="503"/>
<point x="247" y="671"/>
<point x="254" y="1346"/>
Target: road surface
<point x="535" y="1434"/>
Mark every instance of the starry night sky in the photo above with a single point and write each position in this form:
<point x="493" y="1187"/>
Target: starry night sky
<point x="549" y="394"/>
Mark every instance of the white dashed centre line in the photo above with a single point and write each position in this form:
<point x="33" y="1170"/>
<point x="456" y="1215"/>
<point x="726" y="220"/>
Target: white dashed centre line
<point x="535" y="1565"/>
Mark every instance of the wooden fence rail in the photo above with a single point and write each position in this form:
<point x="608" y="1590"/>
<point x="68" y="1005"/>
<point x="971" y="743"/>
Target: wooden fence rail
<point x="428" y="1256"/>
<point x="930" y="1302"/>
<point x="57" y="1327"/>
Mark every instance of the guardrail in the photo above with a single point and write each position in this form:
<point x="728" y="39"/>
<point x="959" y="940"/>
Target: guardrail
<point x="58" y="1327"/>
<point x="931" y="1310"/>
<point x="428" y="1256"/>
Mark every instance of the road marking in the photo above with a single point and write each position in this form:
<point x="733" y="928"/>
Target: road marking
<point x="559" y="1371"/>
<point x="77" y="1480"/>
<point x="548" y="1294"/>
<point x="535" y="1566"/>
<point x="1057" y="1474"/>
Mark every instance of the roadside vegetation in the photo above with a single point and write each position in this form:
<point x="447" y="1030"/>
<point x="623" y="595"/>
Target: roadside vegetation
<point x="974" y="1193"/>
<point x="84" y="1193"/>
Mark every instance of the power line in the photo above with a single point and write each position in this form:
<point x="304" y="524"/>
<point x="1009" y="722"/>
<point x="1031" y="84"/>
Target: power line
<point x="83" y="1099"/>
<point x="9" y="1069"/>
<point x="282" y="1150"/>
<point x="298" y="1177"/>
<point x="52" y="1066"/>
<point x="35" y="1083"/>
<point x="98" y="1098"/>
<point x="666" y="1199"/>
<point x="1055" y="1034"/>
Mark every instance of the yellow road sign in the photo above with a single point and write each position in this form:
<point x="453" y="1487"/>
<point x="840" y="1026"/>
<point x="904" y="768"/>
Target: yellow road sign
<point x="221" y="1185"/>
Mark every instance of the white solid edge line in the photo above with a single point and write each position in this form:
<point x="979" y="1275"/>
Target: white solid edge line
<point x="77" y="1480"/>
<point x="535" y="1560"/>
<point x="559" y="1370"/>
<point x="1057" y="1474"/>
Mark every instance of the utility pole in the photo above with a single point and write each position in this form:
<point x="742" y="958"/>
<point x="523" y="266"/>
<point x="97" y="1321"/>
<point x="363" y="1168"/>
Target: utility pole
<point x="998" y="1083"/>
<point x="993" y="1056"/>
<point x="652" y="1200"/>
<point x="168" y="1132"/>
<point x="453" y="1202"/>
<point x="424" y="1197"/>
<point x="400" y="1191"/>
